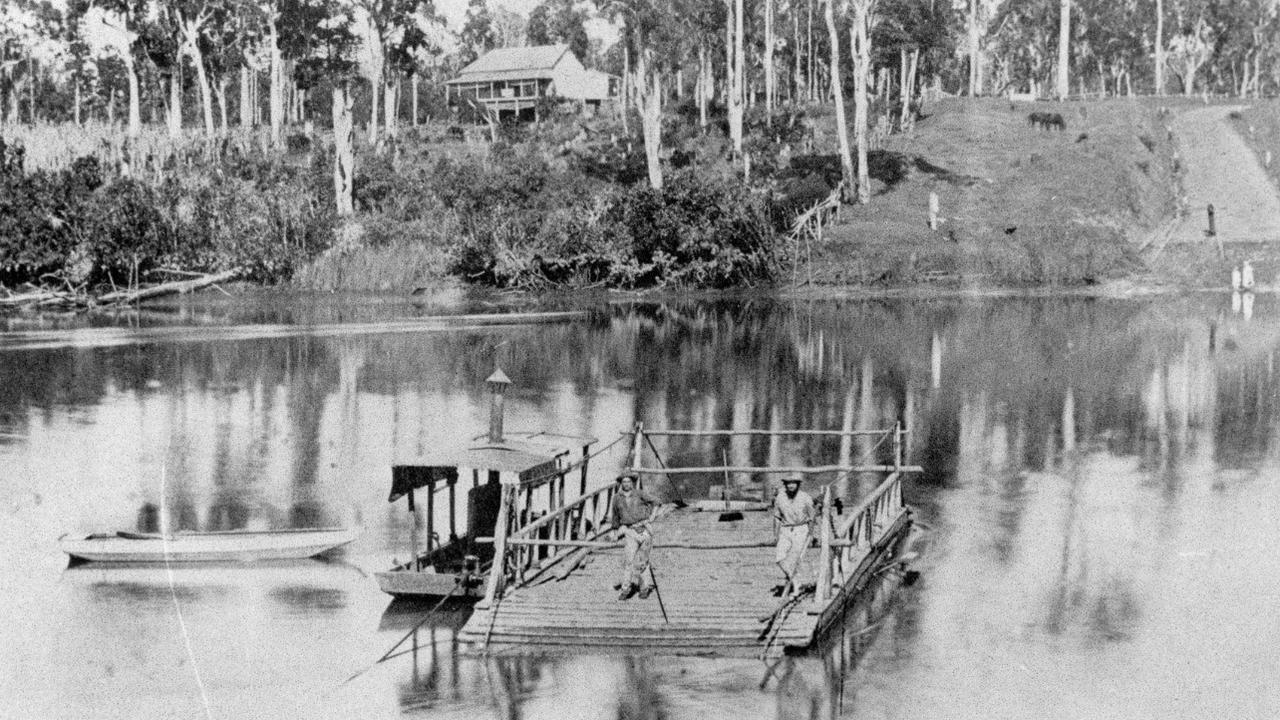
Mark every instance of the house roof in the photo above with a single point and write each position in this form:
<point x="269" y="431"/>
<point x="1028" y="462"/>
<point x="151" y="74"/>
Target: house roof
<point x="513" y="63"/>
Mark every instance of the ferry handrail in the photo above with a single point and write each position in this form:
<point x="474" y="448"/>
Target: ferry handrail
<point x="551" y="517"/>
<point x="894" y="478"/>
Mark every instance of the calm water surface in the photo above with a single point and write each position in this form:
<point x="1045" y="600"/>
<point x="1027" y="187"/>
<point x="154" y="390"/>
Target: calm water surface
<point x="1098" y="514"/>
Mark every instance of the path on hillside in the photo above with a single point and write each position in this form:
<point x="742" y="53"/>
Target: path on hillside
<point x="1222" y="170"/>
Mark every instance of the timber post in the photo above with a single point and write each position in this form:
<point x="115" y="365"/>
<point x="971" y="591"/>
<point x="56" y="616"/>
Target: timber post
<point x="899" y="433"/>
<point x="823" y="591"/>
<point x="431" y="514"/>
<point x="453" y="506"/>
<point x="498" y="570"/>
<point x="933" y="210"/>
<point x="586" y="458"/>
<point x="414" y="541"/>
<point x="636" y="449"/>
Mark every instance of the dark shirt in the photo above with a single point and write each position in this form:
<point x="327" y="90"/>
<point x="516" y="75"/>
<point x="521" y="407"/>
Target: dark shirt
<point x="631" y="508"/>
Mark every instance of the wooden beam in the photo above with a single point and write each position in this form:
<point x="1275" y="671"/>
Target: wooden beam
<point x="796" y="469"/>
<point x="607" y="544"/>
<point x="712" y="433"/>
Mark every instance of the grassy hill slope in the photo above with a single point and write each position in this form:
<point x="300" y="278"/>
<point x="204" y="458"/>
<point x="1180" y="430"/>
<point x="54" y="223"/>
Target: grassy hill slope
<point x="1021" y="205"/>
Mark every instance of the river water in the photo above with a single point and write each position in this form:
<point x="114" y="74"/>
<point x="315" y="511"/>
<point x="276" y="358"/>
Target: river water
<point x="1097" y="516"/>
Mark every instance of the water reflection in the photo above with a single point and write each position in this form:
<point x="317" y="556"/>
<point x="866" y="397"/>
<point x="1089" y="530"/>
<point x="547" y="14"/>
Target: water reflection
<point x="1096" y="489"/>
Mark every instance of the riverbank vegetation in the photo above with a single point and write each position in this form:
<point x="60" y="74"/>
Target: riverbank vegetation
<point x="730" y="119"/>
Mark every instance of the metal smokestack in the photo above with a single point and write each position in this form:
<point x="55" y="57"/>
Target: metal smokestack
<point x="498" y="383"/>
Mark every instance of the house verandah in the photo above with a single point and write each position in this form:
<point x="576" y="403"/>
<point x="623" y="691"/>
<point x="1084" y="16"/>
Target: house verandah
<point x="511" y="99"/>
<point x="513" y="83"/>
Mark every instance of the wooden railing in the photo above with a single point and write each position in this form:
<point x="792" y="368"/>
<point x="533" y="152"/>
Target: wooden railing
<point x="536" y="545"/>
<point x="843" y="546"/>
<point x="522" y="551"/>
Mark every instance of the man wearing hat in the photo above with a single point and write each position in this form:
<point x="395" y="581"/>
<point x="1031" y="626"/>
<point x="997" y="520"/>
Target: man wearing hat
<point x="631" y="515"/>
<point x="793" y="511"/>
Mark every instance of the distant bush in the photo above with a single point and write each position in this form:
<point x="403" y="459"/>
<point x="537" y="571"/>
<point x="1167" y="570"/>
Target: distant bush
<point x="696" y="232"/>
<point x="75" y="225"/>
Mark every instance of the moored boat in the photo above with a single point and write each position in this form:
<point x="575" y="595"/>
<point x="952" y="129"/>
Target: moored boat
<point x="219" y="546"/>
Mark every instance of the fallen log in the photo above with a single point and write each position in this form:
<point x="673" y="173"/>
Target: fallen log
<point x="35" y="298"/>
<point x="177" y="287"/>
<point x="77" y="298"/>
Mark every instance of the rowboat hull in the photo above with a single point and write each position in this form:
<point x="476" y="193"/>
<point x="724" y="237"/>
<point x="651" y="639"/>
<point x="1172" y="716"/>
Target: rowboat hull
<point x="205" y="547"/>
<point x="403" y="582"/>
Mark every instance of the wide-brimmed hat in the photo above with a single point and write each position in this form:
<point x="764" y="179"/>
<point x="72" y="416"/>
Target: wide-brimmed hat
<point x="627" y="476"/>
<point x="797" y="480"/>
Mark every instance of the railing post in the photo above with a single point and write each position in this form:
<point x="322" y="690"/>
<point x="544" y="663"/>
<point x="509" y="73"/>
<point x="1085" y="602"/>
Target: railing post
<point x="453" y="507"/>
<point x="897" y="446"/>
<point x="824" y="557"/>
<point x="636" y="449"/>
<point x="431" y="515"/>
<point x="498" y="570"/>
<point x="586" y="458"/>
<point x="414" y="540"/>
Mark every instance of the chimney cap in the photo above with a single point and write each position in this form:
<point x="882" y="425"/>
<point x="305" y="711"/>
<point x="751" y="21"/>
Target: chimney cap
<point x="498" y="377"/>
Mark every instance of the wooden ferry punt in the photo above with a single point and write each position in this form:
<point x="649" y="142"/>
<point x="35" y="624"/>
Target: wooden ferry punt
<point x="186" y="547"/>
<point x="533" y="467"/>
<point x="714" y="570"/>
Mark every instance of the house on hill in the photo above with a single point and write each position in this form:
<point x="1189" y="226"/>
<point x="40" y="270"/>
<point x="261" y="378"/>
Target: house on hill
<point x="512" y="81"/>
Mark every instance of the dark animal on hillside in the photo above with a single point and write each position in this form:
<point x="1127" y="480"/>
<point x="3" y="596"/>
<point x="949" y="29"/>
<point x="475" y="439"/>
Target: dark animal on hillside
<point x="1047" y="121"/>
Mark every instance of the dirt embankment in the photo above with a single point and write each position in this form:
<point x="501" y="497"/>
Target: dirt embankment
<point x="1071" y="200"/>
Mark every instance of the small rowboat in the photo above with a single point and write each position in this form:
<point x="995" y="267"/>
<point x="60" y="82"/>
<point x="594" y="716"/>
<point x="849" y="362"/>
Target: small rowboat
<point x="228" y="546"/>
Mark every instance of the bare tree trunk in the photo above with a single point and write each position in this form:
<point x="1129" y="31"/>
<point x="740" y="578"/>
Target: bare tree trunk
<point x="246" y="98"/>
<point x="810" y="84"/>
<point x="174" y="115"/>
<point x="770" y="86"/>
<point x="704" y="83"/>
<point x="1063" y="88"/>
<point x="842" y="130"/>
<point x="255" y="97"/>
<point x="75" y="82"/>
<point x="389" y="100"/>
<point x="737" y="90"/>
<point x="1159" y="47"/>
<point x="343" y="149"/>
<point x="649" y="103"/>
<point x="374" y="86"/>
<point x="277" y="86"/>
<point x="220" y="90"/>
<point x="908" y="118"/>
<point x="202" y="80"/>
<point x="975" y="64"/>
<point x="626" y="88"/>
<point x="413" y="94"/>
<point x="861" y="43"/>
<point x="795" y="53"/>
<point x="31" y="87"/>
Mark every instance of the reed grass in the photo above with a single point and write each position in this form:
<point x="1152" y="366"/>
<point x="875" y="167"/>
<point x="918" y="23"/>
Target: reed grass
<point x="418" y="254"/>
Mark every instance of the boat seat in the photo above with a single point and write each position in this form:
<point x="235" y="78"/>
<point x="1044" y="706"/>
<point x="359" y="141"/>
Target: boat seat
<point x="136" y="535"/>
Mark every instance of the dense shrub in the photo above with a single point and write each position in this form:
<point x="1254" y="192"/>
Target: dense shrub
<point x="696" y="231"/>
<point x="261" y="216"/>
